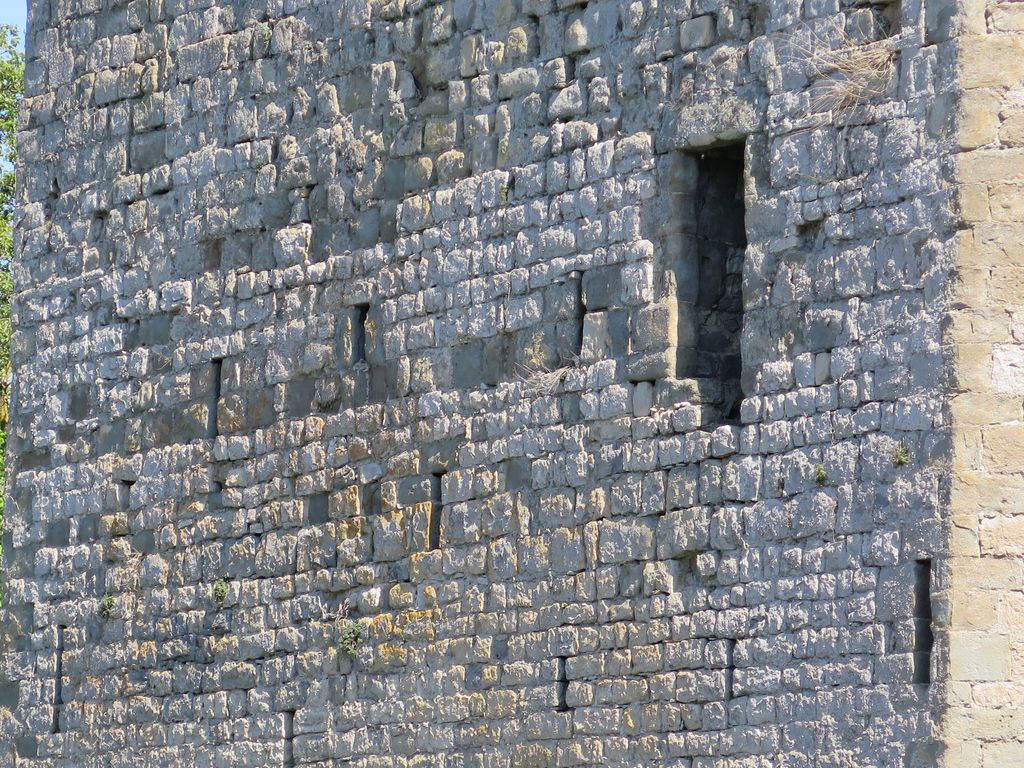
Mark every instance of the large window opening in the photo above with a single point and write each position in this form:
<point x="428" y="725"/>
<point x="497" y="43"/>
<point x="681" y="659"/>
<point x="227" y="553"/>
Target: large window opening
<point x="708" y="278"/>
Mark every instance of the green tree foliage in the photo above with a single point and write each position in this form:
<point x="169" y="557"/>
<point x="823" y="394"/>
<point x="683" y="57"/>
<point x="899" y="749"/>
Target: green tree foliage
<point x="12" y="85"/>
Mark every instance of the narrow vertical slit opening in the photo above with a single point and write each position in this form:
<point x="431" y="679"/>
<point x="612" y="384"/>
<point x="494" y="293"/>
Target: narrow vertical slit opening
<point x="561" y="685"/>
<point x="215" y="498"/>
<point x="580" y="319"/>
<point x="288" y="753"/>
<point x="58" y="685"/>
<point x="361" y="313"/>
<point x="216" y="373"/>
<point x="434" y="519"/>
<point x="370" y="499"/>
<point x="730" y="667"/>
<point x="125" y="500"/>
<point x="924" y="637"/>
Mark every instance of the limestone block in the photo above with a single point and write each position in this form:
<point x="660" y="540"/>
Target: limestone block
<point x="1002" y="536"/>
<point x="643" y="398"/>
<point x="1002" y="447"/>
<point x="683" y="532"/>
<point x="1004" y="755"/>
<point x="979" y="118"/>
<point x="988" y="61"/>
<point x="291" y="244"/>
<point x="1011" y="129"/>
<point x="627" y="540"/>
<point x="696" y="33"/>
<point x="567" y="103"/>
<point x="597" y="343"/>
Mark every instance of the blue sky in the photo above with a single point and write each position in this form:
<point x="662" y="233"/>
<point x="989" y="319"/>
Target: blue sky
<point x="13" y="12"/>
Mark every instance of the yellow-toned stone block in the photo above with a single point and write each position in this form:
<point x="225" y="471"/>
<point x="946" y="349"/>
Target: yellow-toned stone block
<point x="972" y="284"/>
<point x="967" y="455"/>
<point x="979" y="118"/>
<point x="965" y="247"/>
<point x="962" y="754"/>
<point x="988" y="61"/>
<point x="979" y="610"/>
<point x="990" y="165"/>
<point x="982" y="408"/>
<point x="974" y="366"/>
<point x="959" y="694"/>
<point x="402" y="596"/>
<point x="979" y="324"/>
<point x="1011" y="131"/>
<point x="964" y="542"/>
<point x="1003" y="447"/>
<point x="1008" y="18"/>
<point x="997" y="694"/>
<point x="1006" y="286"/>
<point x="979" y="492"/>
<point x="968" y="724"/>
<point x="988" y="572"/>
<point x="1011" y="614"/>
<point x="973" y="17"/>
<point x="1004" y="755"/>
<point x="1006" y="201"/>
<point x="1003" y="536"/>
<point x="974" y="202"/>
<point x="997" y="242"/>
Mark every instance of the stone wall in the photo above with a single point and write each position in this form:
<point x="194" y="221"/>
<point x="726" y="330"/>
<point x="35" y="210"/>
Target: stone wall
<point x="416" y="318"/>
<point x="984" y="720"/>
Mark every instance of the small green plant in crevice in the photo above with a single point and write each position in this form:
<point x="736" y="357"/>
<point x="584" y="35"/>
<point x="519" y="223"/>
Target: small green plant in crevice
<point x="820" y="475"/>
<point x="107" y="606"/>
<point x="506" y="190"/>
<point x="351" y="638"/>
<point x="264" y="32"/>
<point x="901" y="455"/>
<point x="220" y="592"/>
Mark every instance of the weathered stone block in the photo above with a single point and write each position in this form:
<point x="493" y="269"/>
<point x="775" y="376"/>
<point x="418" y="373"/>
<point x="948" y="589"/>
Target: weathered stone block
<point x="696" y="33"/>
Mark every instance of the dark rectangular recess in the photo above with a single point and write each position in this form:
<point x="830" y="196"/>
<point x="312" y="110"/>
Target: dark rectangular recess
<point x="370" y="499"/>
<point x="361" y="313"/>
<point x="9" y="692"/>
<point x="58" y="684"/>
<point x="217" y="371"/>
<point x="38" y="459"/>
<point x="212" y="253"/>
<point x="434" y="519"/>
<point x="126" y="495"/>
<point x="713" y="320"/>
<point x="581" y="315"/>
<point x="924" y="637"/>
<point x="730" y="667"/>
<point x="318" y="509"/>
<point x="288" y="752"/>
<point x="561" y="685"/>
<point x="301" y="396"/>
<point x="215" y="498"/>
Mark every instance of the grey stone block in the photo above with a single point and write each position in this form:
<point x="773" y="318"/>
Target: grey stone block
<point x="696" y="33"/>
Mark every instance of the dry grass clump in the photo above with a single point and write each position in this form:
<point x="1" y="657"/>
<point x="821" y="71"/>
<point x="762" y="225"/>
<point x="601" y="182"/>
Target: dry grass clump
<point x="849" y="72"/>
<point x="539" y="382"/>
